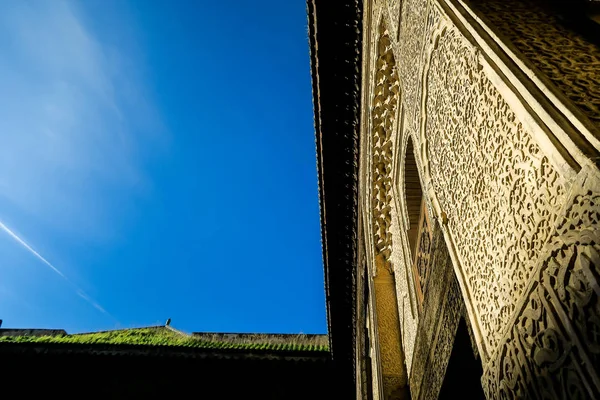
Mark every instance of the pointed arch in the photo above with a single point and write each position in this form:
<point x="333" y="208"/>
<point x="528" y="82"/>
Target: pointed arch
<point x="384" y="113"/>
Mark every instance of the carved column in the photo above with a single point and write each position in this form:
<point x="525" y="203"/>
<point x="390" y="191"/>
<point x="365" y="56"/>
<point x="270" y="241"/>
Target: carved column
<point x="388" y="327"/>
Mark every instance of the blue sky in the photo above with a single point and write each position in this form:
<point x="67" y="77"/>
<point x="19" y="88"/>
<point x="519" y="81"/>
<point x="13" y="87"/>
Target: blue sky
<point x="157" y="160"/>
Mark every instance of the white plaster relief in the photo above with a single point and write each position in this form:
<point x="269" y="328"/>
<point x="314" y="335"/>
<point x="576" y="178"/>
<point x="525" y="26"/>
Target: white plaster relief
<point x="503" y="194"/>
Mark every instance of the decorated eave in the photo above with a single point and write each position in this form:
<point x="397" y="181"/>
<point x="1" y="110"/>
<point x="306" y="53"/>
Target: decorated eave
<point x="335" y="34"/>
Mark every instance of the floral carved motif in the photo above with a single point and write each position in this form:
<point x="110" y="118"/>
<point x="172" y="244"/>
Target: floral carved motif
<point x="499" y="191"/>
<point x="553" y="350"/>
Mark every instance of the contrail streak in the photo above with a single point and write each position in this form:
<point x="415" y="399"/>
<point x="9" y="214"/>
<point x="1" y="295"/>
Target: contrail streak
<point x="32" y="251"/>
<point x="78" y="290"/>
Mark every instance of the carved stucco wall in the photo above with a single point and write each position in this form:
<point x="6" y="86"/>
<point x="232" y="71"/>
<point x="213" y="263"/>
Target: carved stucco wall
<point x="552" y="349"/>
<point x="529" y="277"/>
<point x="566" y="59"/>
<point x="393" y="7"/>
<point x="503" y="195"/>
<point x="410" y="47"/>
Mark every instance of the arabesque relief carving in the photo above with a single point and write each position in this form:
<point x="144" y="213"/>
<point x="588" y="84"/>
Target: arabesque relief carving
<point x="566" y="58"/>
<point x="533" y="291"/>
<point x="412" y="30"/>
<point x="553" y="349"/>
<point x="499" y="191"/>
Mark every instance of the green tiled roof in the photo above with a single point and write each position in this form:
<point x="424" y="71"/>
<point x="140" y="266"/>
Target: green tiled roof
<point x="163" y="336"/>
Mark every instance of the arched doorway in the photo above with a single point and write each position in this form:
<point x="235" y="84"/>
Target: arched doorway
<point x="419" y="226"/>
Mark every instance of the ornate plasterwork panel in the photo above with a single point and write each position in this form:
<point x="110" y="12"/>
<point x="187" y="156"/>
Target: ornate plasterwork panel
<point x="499" y="192"/>
<point x="567" y="59"/>
<point x="409" y="55"/>
<point x="401" y="254"/>
<point x="553" y="348"/>
<point x="412" y="31"/>
<point x="394" y="13"/>
<point x="378" y="17"/>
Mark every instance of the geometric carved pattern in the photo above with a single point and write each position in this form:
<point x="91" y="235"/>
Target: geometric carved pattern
<point x="499" y="191"/>
<point x="385" y="103"/>
<point x="566" y="58"/>
<point x="553" y="350"/>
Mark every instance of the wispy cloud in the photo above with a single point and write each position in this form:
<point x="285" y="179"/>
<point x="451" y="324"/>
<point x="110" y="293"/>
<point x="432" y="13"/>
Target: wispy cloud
<point x="77" y="289"/>
<point x="76" y="121"/>
<point x="78" y="127"/>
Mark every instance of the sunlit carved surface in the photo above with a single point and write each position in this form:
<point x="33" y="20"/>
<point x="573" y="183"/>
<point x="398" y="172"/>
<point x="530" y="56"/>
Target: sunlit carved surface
<point x="553" y="350"/>
<point x="502" y="195"/>
<point x="527" y="279"/>
<point x="412" y="30"/>
<point x="570" y="62"/>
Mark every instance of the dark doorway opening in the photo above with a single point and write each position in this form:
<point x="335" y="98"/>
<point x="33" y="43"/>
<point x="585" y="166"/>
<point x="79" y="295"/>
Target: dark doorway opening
<point x="414" y="195"/>
<point x="463" y="375"/>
